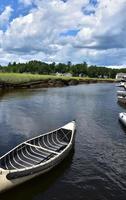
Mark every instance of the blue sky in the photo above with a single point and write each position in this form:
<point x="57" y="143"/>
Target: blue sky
<point x="69" y="32"/>
<point x="18" y="8"/>
<point x="63" y="30"/>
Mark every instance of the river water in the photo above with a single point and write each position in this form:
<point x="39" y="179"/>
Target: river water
<point x="96" y="169"/>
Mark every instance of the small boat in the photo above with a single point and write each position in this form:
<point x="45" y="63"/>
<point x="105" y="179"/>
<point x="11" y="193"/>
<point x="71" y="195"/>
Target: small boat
<point x="121" y="84"/>
<point x="36" y="156"/>
<point x="122" y="118"/>
<point x="122" y="99"/>
<point x="121" y="93"/>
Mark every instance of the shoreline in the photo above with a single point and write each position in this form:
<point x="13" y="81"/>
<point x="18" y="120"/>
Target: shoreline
<point x="51" y="82"/>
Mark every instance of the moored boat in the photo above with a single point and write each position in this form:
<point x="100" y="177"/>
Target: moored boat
<point x="121" y="84"/>
<point x="36" y="156"/>
<point x="121" y="93"/>
<point x="122" y="99"/>
<point x="122" y="118"/>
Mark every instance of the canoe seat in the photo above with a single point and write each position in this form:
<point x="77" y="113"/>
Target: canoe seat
<point x="50" y="142"/>
<point x="27" y="156"/>
<point x="37" y="150"/>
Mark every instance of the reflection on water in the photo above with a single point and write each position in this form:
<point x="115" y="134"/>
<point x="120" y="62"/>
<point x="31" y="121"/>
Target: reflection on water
<point x="40" y="184"/>
<point x="97" y="170"/>
<point x="122" y="126"/>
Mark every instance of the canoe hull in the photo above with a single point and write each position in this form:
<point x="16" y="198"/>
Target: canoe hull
<point x="8" y="184"/>
<point x="11" y="179"/>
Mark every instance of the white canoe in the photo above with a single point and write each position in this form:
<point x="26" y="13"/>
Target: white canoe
<point x="36" y="156"/>
<point x="122" y="118"/>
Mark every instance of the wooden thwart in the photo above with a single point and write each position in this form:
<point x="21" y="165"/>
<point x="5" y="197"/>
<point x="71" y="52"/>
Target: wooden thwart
<point x="41" y="148"/>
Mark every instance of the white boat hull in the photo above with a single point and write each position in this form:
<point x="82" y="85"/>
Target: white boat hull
<point x="121" y="84"/>
<point x="6" y="184"/>
<point x="121" y="93"/>
<point x="122" y="118"/>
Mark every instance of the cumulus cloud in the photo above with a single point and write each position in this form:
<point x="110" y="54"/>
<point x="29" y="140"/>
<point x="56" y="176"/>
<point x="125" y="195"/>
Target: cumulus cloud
<point x="5" y="16"/>
<point x="100" y="31"/>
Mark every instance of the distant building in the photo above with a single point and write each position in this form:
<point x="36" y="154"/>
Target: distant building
<point x="121" y="77"/>
<point x="65" y="74"/>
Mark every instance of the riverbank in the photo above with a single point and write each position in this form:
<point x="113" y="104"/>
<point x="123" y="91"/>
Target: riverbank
<point x="16" y="80"/>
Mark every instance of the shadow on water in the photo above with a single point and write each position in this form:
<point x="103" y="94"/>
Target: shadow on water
<point x="39" y="184"/>
<point x="123" y="127"/>
<point x="20" y="93"/>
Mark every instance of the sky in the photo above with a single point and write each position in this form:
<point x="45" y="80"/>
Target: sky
<point x="63" y="30"/>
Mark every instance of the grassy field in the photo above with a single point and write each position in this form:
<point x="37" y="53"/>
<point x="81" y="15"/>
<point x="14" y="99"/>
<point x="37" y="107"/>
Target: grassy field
<point x="17" y="78"/>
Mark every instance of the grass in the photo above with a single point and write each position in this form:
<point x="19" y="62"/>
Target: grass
<point x="17" y="78"/>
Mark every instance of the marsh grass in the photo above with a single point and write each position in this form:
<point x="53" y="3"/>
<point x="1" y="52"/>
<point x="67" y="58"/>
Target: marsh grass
<point x="17" y="78"/>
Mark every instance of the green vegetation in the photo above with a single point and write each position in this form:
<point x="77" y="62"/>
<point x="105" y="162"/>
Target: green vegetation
<point x="82" y="70"/>
<point x="18" y="78"/>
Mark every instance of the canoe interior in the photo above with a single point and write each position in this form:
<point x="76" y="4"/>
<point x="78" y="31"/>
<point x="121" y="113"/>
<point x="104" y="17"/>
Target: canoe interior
<point x="37" y="150"/>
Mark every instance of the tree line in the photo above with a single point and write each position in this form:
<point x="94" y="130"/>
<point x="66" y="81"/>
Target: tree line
<point x="80" y="69"/>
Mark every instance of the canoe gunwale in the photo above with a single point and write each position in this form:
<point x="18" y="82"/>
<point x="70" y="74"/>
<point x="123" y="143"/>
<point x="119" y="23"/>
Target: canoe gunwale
<point x="47" y="162"/>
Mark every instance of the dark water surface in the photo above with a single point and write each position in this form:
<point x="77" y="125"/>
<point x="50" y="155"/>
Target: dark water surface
<point x="96" y="170"/>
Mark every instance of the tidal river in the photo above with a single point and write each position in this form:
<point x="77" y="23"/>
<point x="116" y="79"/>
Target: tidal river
<point x="96" y="169"/>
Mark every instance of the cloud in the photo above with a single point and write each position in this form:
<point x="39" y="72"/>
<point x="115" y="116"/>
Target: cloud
<point x="5" y="16"/>
<point x="56" y="30"/>
<point x="105" y="32"/>
<point x="26" y="2"/>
